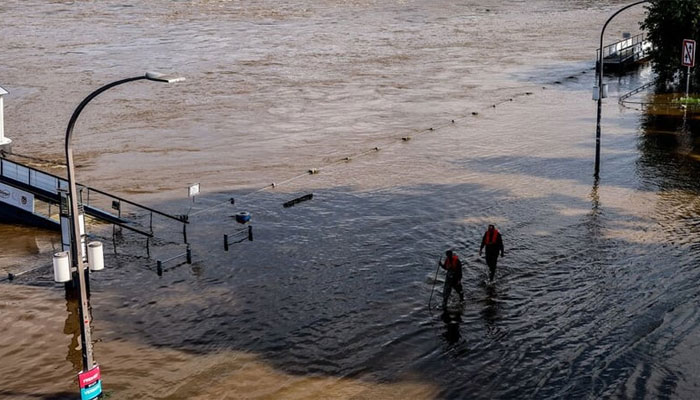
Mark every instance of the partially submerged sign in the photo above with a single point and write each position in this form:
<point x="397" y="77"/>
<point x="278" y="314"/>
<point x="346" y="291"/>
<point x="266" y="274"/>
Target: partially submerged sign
<point x="298" y="200"/>
<point x="90" y="383"/>
<point x="193" y="190"/>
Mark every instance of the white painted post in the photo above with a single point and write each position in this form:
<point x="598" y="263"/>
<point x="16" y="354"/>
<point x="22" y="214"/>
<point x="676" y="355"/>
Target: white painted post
<point x="3" y="139"/>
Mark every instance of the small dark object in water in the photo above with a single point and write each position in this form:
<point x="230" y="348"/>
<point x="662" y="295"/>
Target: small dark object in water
<point x="475" y="113"/>
<point x="406" y="138"/>
<point x="242" y="217"/>
<point x="298" y="200"/>
<point x="528" y="93"/>
<point x="430" y="129"/>
<point x="557" y="82"/>
<point x="453" y="121"/>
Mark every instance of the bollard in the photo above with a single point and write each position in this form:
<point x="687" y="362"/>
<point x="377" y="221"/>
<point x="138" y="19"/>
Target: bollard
<point x="159" y="268"/>
<point x="250" y="233"/>
<point x="184" y="232"/>
<point x="189" y="256"/>
<point x="225" y="242"/>
<point x="10" y="277"/>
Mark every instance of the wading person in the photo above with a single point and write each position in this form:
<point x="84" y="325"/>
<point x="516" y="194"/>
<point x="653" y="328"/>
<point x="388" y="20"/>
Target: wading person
<point x="494" y="244"/>
<point x="453" y="278"/>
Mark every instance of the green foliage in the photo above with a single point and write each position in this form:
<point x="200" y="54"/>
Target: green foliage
<point x="667" y="23"/>
<point x="686" y="100"/>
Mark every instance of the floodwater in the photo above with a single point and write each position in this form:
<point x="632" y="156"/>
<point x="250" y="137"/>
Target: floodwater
<point x="595" y="298"/>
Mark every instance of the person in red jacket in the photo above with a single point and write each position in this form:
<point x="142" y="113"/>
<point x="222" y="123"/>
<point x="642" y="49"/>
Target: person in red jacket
<point x="494" y="244"/>
<point x="453" y="278"/>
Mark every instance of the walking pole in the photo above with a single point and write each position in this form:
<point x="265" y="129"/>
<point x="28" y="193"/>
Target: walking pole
<point x="434" y="280"/>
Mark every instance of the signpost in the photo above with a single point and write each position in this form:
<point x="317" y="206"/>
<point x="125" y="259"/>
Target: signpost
<point x="688" y="60"/>
<point x="193" y="190"/>
<point x="90" y="383"/>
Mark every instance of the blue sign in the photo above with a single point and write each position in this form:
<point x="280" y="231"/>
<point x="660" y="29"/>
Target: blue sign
<point x="89" y="393"/>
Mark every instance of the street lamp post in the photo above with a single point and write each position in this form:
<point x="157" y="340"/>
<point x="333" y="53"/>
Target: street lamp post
<point x="76" y="240"/>
<point x="600" y="85"/>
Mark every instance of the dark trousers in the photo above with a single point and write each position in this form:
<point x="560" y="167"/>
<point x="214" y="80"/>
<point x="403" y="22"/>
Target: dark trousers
<point x="491" y="261"/>
<point x="452" y="280"/>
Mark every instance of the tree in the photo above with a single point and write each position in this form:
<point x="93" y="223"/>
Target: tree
<point x="667" y="23"/>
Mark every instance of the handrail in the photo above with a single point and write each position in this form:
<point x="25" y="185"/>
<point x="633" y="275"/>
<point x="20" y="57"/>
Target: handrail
<point x="623" y="44"/>
<point x="59" y="180"/>
<point x="626" y="49"/>
<point x="635" y="91"/>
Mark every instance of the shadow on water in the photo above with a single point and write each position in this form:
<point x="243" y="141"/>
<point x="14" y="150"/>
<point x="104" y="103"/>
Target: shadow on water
<point x="670" y="150"/>
<point x="48" y="396"/>
<point x="337" y="287"/>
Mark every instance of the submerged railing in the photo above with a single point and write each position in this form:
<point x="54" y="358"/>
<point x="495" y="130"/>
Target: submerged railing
<point x="49" y="187"/>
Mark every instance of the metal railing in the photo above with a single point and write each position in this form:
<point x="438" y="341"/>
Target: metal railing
<point x="53" y="185"/>
<point x="634" y="48"/>
<point x="627" y="95"/>
<point x="676" y="107"/>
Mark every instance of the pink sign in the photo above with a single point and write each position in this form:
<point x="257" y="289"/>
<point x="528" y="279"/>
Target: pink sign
<point x="89" y="377"/>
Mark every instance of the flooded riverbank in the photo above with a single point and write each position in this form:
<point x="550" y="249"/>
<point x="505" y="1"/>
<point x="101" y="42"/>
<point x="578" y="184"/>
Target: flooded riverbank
<point x="594" y="298"/>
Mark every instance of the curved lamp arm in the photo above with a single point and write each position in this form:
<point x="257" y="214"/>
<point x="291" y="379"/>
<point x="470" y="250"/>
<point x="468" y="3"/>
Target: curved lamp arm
<point x="76" y="247"/>
<point x="600" y="85"/>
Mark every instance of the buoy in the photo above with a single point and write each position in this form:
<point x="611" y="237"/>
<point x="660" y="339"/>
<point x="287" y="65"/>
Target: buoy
<point x="406" y="138"/>
<point x="453" y="121"/>
<point x="475" y="113"/>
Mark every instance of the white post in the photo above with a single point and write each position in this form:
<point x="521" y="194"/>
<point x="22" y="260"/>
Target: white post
<point x="687" y="83"/>
<point x="3" y="139"/>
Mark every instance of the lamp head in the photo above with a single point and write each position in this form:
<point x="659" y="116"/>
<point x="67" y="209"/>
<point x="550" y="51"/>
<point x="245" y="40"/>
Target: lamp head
<point x="159" y="77"/>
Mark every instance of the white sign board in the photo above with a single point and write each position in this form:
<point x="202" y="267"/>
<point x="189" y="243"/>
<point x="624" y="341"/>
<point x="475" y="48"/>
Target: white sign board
<point x="688" y="58"/>
<point x="194" y="190"/>
<point x="16" y="197"/>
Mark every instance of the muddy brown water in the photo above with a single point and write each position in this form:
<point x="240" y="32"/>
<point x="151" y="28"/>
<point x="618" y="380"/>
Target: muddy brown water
<point x="596" y="297"/>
